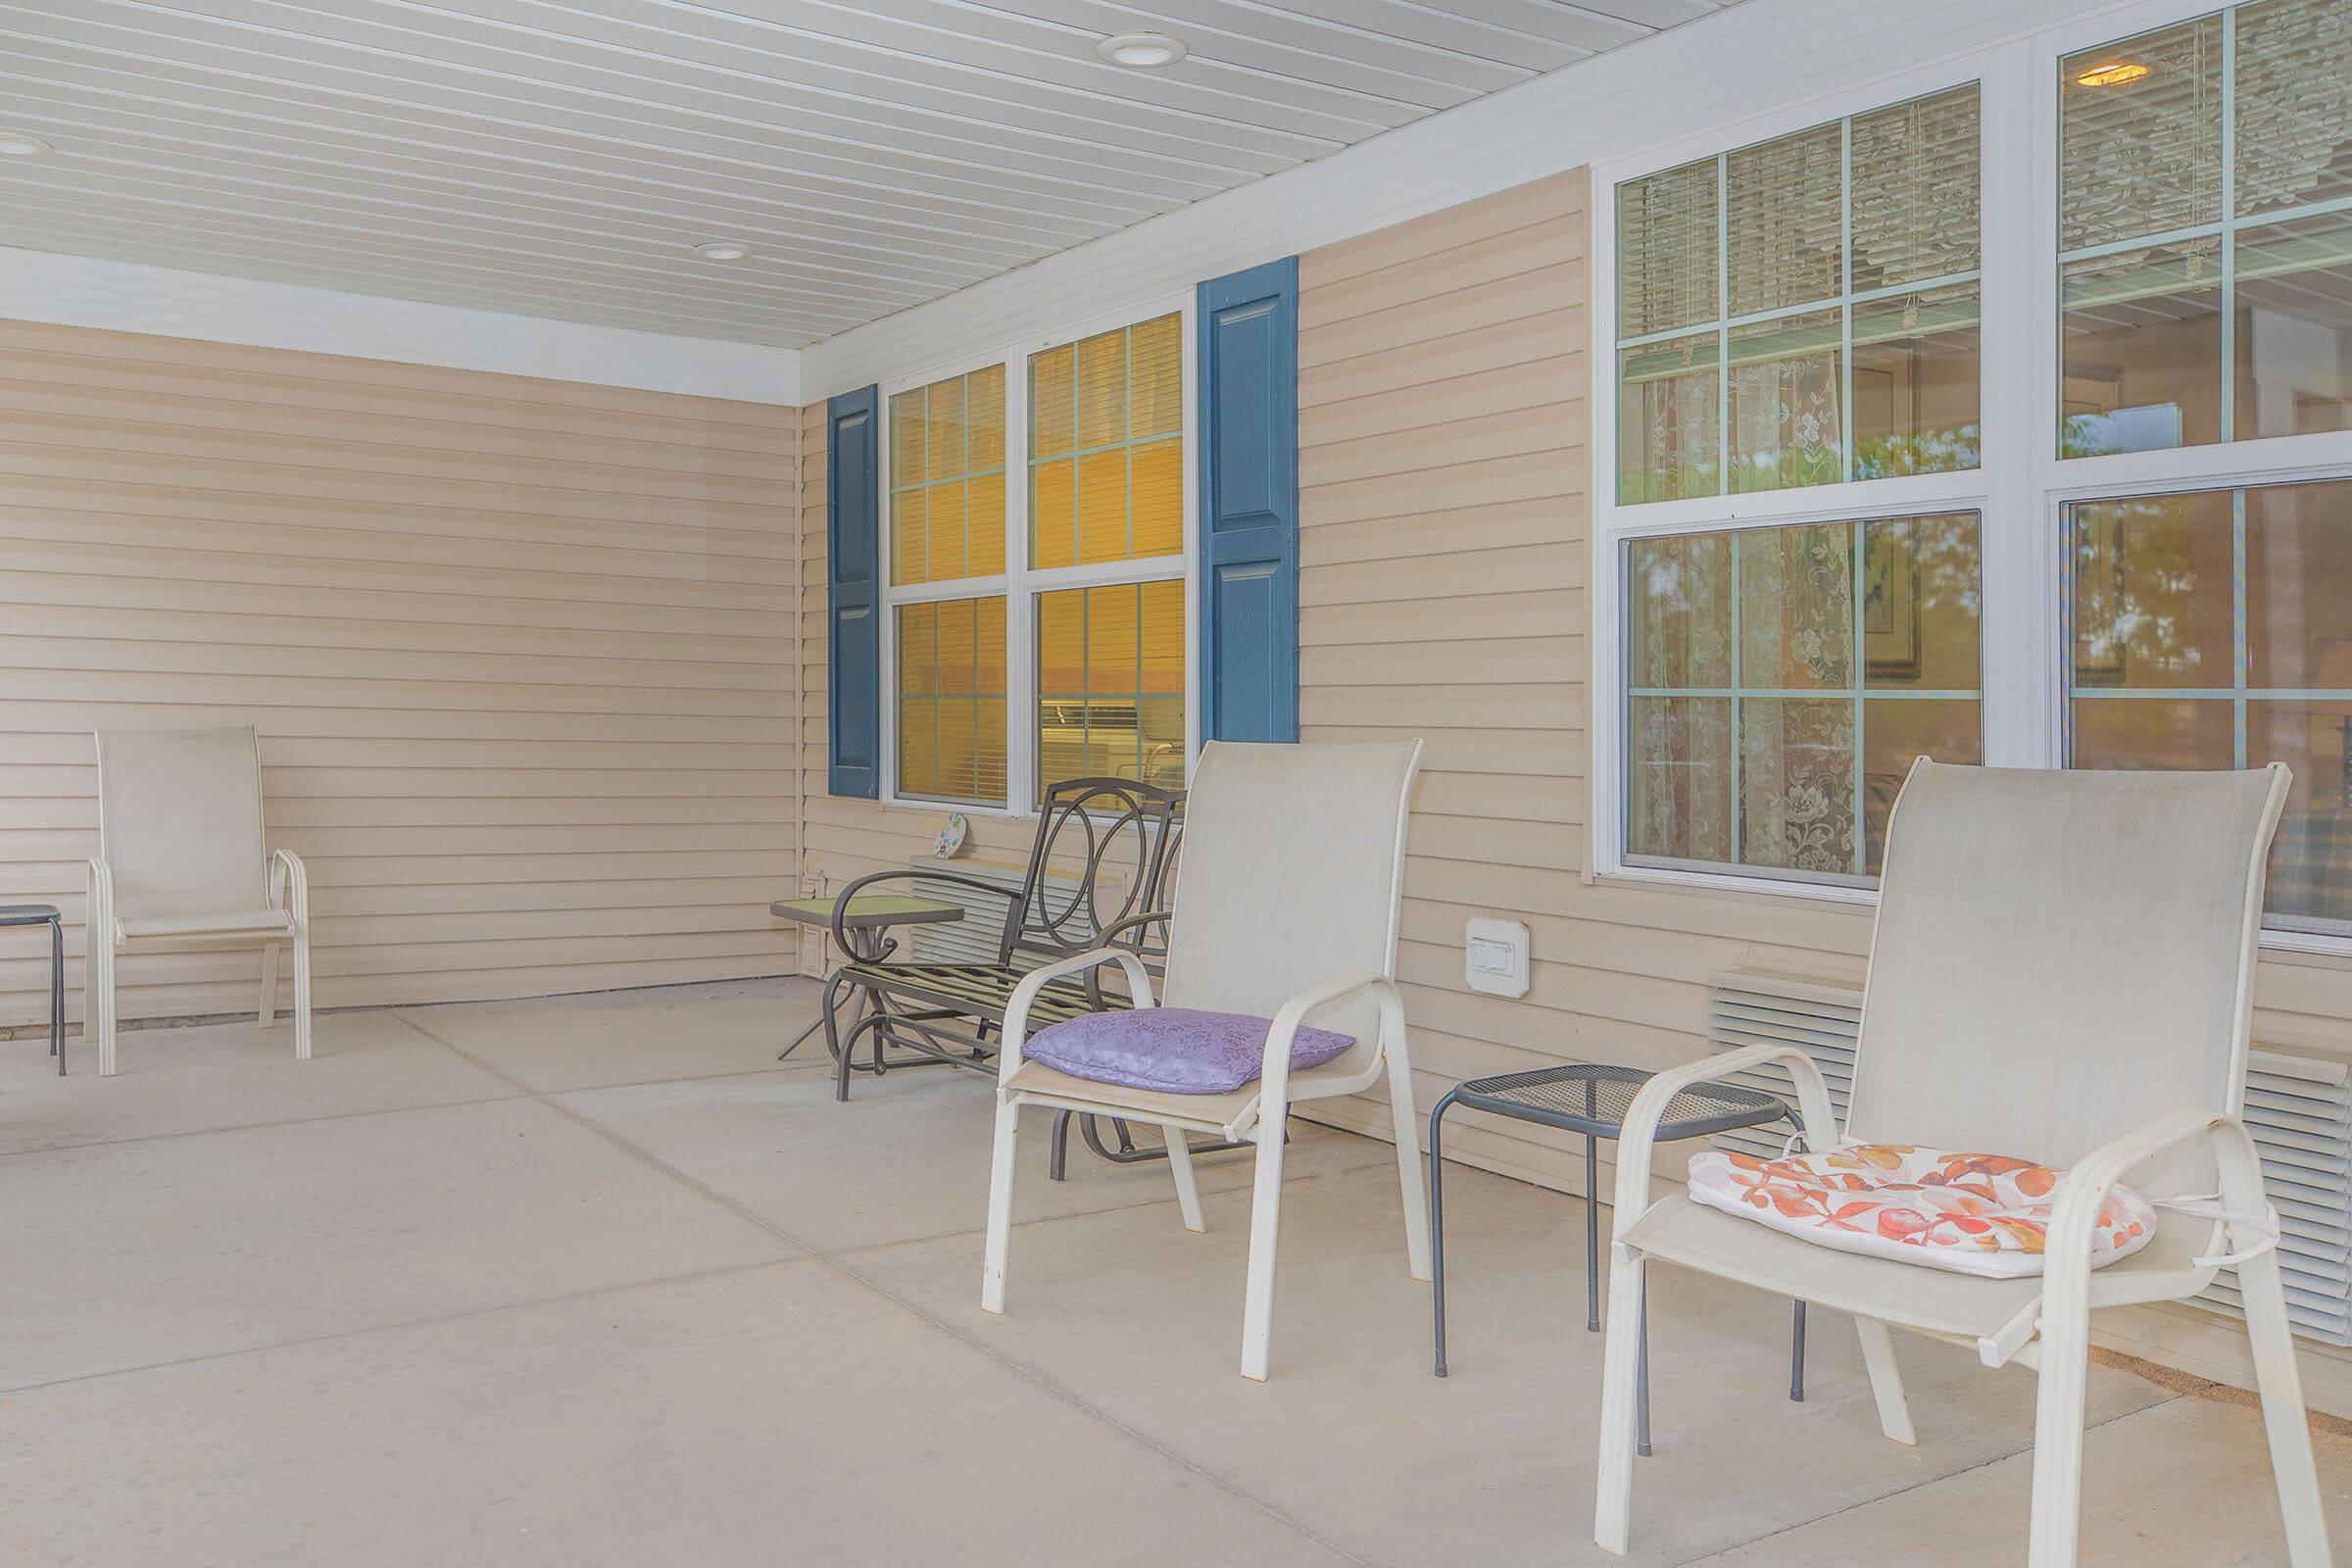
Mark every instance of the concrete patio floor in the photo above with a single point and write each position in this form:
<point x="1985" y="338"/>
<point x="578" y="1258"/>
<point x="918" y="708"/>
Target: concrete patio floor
<point x="598" y="1281"/>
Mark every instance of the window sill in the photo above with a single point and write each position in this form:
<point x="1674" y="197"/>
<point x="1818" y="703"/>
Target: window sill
<point x="943" y="807"/>
<point x="1775" y="889"/>
<point x="2293" y="946"/>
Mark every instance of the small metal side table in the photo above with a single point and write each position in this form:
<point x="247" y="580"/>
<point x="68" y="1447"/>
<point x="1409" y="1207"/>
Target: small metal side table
<point x="13" y="914"/>
<point x="867" y="920"/>
<point x="1591" y="1099"/>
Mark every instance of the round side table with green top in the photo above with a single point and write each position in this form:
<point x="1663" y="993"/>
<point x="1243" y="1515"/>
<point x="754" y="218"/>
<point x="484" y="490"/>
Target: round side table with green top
<point x="865" y="926"/>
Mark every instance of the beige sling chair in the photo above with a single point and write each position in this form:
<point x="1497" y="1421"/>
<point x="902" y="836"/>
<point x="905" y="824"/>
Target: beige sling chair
<point x="180" y="860"/>
<point x="1286" y="910"/>
<point x="2061" y="972"/>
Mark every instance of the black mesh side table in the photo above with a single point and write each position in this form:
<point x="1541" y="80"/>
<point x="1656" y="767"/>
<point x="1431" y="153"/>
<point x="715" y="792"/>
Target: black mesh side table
<point x="1591" y="1099"/>
<point x="46" y="915"/>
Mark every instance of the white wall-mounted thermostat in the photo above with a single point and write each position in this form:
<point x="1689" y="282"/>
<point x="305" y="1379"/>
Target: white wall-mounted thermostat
<point x="1495" y="957"/>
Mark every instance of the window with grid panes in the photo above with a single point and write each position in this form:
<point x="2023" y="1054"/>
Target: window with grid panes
<point x="947" y="528"/>
<point x="1105" y="551"/>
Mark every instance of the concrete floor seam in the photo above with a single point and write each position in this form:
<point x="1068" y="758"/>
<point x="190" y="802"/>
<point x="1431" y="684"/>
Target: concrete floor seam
<point x="1027" y="1373"/>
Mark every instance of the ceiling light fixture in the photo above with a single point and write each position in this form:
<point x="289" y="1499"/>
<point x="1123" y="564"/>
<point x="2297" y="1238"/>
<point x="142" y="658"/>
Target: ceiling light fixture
<point x="723" y="250"/>
<point x="2111" y="74"/>
<point x="1142" y="51"/>
<point x="15" y="144"/>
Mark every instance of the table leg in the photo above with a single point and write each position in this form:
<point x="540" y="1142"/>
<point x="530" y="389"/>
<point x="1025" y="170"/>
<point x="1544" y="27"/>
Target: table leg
<point x="57" y="992"/>
<point x="1437" y="1223"/>
<point x="1642" y="1367"/>
<point x="1592" y="1235"/>
<point x="1796" y="1356"/>
<point x="832" y="989"/>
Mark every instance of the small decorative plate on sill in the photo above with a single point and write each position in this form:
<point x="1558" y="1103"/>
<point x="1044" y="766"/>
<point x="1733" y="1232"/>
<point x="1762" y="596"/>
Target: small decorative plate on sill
<point x="949" y="843"/>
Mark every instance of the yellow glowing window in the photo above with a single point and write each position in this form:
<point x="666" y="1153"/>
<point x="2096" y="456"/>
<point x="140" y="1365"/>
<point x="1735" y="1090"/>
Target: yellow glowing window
<point x="951" y="664"/>
<point x="947" y="479"/>
<point x="1110" y="684"/>
<point x="1107" y="447"/>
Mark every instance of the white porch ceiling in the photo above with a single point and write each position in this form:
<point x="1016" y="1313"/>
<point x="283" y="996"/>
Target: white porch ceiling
<point x="559" y="158"/>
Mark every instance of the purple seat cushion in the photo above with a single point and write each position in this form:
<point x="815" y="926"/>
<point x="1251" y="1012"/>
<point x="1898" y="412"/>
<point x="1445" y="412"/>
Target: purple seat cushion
<point x="1174" y="1050"/>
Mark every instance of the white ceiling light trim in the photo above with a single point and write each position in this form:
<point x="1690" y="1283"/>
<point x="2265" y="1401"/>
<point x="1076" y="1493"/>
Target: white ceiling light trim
<point x="131" y="297"/>
<point x="566" y="157"/>
<point x="13" y="144"/>
<point x="1142" y="51"/>
<point x="724" y="250"/>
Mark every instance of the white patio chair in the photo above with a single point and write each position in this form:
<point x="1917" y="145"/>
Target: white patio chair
<point x="180" y="859"/>
<point x="2061" y="972"/>
<point x="1286" y="908"/>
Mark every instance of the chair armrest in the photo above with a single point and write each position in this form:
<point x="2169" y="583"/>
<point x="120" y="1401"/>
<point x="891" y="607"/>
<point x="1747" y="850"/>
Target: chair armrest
<point x="290" y="885"/>
<point x="1152" y="917"/>
<point x="2069" y="1287"/>
<point x="1274" y="1070"/>
<point x="1016" y="1010"/>
<point x="2074" y="1211"/>
<point x="1642" y="1117"/>
<point x="99" y="915"/>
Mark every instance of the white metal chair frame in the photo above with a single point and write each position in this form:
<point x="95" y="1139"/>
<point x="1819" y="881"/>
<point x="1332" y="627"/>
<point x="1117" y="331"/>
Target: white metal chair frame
<point x="1257" y="1113"/>
<point x="289" y="894"/>
<point x="2051" y="1334"/>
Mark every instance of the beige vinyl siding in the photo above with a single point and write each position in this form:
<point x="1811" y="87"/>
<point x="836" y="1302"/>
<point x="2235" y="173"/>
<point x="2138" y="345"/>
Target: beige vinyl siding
<point x="520" y="654"/>
<point x="1444" y="554"/>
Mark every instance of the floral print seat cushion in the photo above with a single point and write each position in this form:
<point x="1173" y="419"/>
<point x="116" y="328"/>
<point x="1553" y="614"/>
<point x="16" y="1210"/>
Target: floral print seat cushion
<point x="1972" y="1214"/>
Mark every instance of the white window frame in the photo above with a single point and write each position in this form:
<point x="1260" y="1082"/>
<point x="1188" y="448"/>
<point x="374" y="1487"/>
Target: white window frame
<point x="2021" y="490"/>
<point x="1019" y="583"/>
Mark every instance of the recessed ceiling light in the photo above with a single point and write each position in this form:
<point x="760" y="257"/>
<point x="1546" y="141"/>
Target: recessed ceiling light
<point x="723" y="250"/>
<point x="1142" y="51"/>
<point x="13" y="144"/>
<point x="2111" y="74"/>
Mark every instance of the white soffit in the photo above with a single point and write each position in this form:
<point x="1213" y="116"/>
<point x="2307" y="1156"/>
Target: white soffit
<point x="562" y="158"/>
<point x="1758" y="58"/>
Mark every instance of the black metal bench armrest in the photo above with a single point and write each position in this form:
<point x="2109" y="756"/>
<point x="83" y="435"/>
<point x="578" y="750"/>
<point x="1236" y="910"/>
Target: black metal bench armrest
<point x="841" y="903"/>
<point x="1103" y="937"/>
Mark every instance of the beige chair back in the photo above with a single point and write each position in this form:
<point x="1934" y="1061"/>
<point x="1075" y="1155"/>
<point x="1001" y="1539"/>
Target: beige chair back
<point x="179" y="821"/>
<point x="1291" y="871"/>
<point x="2062" y="957"/>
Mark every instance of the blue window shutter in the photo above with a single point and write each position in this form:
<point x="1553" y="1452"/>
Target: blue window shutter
<point x="1248" y="325"/>
<point x="854" y="602"/>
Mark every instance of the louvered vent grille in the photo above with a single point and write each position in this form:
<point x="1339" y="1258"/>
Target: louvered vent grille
<point x="2299" y="1110"/>
<point x="974" y="938"/>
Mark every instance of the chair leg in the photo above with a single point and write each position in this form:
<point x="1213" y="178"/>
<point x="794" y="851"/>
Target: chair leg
<point x="1613" y="1500"/>
<point x="1000" y="1206"/>
<point x="2064" y="1368"/>
<point x="1180" y="1165"/>
<point x="1266" y="1228"/>
<point x="1403" y="1124"/>
<point x="2292" y="1467"/>
<point x="302" y="988"/>
<point x="108" y="964"/>
<point x="2264" y="1295"/>
<point x="1886" y="1380"/>
<point x="268" y="1008"/>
